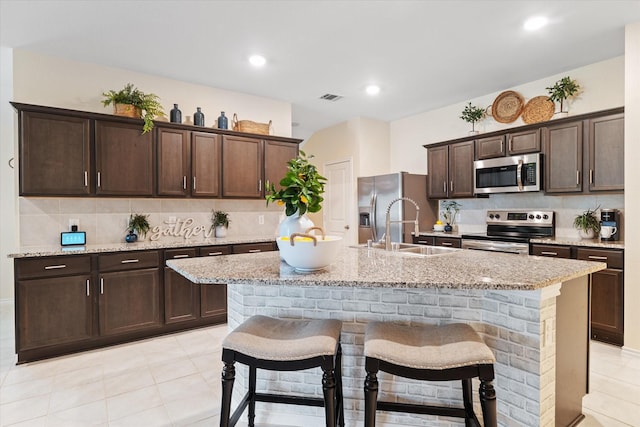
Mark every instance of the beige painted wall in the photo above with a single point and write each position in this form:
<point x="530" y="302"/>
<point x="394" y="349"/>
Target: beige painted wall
<point x="632" y="188"/>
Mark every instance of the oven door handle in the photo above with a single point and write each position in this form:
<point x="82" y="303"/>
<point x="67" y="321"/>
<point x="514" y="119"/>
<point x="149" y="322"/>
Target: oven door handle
<point x="519" y="175"/>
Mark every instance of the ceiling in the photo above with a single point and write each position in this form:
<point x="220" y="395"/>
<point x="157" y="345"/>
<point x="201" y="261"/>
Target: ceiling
<point x="422" y="54"/>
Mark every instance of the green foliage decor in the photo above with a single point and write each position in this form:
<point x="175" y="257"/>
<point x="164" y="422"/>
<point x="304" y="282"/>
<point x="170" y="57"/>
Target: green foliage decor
<point x="148" y="103"/>
<point x="472" y="114"/>
<point x="139" y="223"/>
<point x="564" y="88"/>
<point x="220" y="218"/>
<point x="587" y="221"/>
<point x="449" y="210"/>
<point x="302" y="187"/>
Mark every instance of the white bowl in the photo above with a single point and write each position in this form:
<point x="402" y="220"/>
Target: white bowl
<point x="305" y="256"/>
<point x="438" y="227"/>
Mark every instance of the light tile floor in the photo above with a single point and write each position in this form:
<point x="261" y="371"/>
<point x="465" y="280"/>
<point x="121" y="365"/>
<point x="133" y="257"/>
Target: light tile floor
<point x="175" y="381"/>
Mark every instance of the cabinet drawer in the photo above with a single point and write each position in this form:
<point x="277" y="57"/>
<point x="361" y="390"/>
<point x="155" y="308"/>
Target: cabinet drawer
<point x="423" y="240"/>
<point x="180" y="253"/>
<point x="128" y="260"/>
<point x="252" y="247"/>
<point x="614" y="259"/>
<point x="214" y="250"/>
<point x="556" y="251"/>
<point x="450" y="242"/>
<point x="53" y="266"/>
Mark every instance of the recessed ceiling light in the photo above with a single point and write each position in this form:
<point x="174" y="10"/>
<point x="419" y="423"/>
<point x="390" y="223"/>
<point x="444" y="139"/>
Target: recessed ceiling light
<point x="535" y="23"/>
<point x="257" y="60"/>
<point x="373" y="89"/>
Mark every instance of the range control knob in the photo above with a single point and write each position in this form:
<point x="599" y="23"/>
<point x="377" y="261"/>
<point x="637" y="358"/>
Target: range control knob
<point x="538" y="216"/>
<point x="530" y="216"/>
<point x="497" y="216"/>
<point x="545" y="216"/>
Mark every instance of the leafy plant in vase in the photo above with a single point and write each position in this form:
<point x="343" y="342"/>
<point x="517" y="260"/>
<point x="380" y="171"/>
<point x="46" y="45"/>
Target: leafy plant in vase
<point x="563" y="89"/>
<point x="220" y="221"/>
<point x="472" y="114"/>
<point x="587" y="224"/>
<point x="137" y="228"/>
<point x="301" y="192"/>
<point x="450" y="209"/>
<point x="132" y="102"/>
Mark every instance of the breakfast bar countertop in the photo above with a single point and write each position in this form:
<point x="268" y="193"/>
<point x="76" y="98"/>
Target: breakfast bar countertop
<point x="463" y="269"/>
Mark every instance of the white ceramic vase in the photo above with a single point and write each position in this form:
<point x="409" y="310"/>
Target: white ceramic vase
<point x="295" y="223"/>
<point x="221" y="231"/>
<point x="586" y="234"/>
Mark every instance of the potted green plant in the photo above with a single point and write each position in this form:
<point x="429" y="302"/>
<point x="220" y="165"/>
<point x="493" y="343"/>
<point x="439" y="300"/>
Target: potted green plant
<point x="132" y="102"/>
<point x="563" y="89"/>
<point x="472" y="114"/>
<point x="220" y="221"/>
<point x="450" y="209"/>
<point x="138" y="225"/>
<point x="587" y="224"/>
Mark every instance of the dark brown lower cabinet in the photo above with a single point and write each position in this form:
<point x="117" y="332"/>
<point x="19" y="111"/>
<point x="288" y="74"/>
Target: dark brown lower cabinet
<point x="181" y="296"/>
<point x="213" y="298"/>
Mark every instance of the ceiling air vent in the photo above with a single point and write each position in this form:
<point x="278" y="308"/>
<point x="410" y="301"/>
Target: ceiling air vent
<point x="330" y="97"/>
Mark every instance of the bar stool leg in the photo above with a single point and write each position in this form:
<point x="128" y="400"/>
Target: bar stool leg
<point x="488" y="402"/>
<point x="339" y="395"/>
<point x="370" y="398"/>
<point x="228" y="377"/>
<point x="329" y="391"/>
<point x="252" y="395"/>
<point x="467" y="399"/>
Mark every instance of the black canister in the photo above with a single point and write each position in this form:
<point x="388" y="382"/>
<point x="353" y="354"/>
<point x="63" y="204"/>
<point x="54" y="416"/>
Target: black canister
<point x="609" y="224"/>
<point x="175" y="115"/>
<point x="222" y="121"/>
<point x="198" y="117"/>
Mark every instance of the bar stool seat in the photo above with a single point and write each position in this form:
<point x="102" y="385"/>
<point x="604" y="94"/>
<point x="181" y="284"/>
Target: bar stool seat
<point x="263" y="342"/>
<point x="433" y="353"/>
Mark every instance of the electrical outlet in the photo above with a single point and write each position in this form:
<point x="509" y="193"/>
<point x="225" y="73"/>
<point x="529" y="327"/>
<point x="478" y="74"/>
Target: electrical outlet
<point x="74" y="221"/>
<point x="261" y="219"/>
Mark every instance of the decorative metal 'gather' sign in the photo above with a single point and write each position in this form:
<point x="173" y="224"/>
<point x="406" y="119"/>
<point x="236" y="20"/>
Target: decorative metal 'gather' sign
<point x="181" y="228"/>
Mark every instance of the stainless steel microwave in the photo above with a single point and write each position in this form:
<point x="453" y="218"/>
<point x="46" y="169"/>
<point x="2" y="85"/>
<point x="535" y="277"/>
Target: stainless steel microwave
<point x="512" y="174"/>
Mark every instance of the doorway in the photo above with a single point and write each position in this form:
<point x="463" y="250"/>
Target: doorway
<point x="337" y="213"/>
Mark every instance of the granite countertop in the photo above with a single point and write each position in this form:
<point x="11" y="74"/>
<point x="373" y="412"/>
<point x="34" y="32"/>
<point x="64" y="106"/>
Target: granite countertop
<point x="40" y="251"/>
<point x="574" y="241"/>
<point x="440" y="234"/>
<point x="463" y="269"/>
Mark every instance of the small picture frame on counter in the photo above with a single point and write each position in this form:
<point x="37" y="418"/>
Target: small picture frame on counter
<point x="73" y="238"/>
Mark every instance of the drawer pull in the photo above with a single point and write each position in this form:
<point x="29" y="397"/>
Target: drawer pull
<point x="447" y="244"/>
<point x="55" y="267"/>
<point x="129" y="261"/>
<point x="253" y="251"/>
<point x="599" y="258"/>
<point x="549" y="253"/>
<point x="87" y="287"/>
<point x="181" y="256"/>
<point x="215" y="253"/>
<point x="426" y="242"/>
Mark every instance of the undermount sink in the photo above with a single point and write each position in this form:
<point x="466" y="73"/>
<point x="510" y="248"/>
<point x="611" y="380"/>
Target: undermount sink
<point x="411" y="248"/>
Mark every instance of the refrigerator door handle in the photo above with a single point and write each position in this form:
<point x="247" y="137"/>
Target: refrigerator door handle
<point x="372" y="215"/>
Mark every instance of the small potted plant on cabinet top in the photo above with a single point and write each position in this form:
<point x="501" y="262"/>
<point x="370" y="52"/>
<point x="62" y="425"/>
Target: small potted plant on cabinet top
<point x="563" y="89"/>
<point x="220" y="220"/>
<point x="472" y="114"/>
<point x="587" y="224"/>
<point x="137" y="228"/>
<point x="131" y="102"/>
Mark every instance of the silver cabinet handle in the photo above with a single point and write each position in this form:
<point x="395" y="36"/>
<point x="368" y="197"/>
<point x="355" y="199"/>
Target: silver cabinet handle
<point x="55" y="267"/>
<point x="252" y="251"/>
<point x="98" y="179"/>
<point x="194" y="183"/>
<point x="549" y="253"/>
<point x="577" y="177"/>
<point x="447" y="244"/>
<point x="181" y="256"/>
<point x="502" y="146"/>
<point x="510" y="144"/>
<point x="101" y="286"/>
<point x="259" y="185"/>
<point x="86" y="178"/>
<point x="215" y="253"/>
<point x="444" y="186"/>
<point x="424" y="242"/>
<point x="184" y="182"/>
<point x="452" y="186"/>
<point x="590" y="176"/>
<point x="87" y="287"/>
<point x="129" y="261"/>
<point x="599" y="258"/>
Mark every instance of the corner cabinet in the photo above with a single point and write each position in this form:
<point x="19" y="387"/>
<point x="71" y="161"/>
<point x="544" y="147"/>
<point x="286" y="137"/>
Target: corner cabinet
<point x="450" y="170"/>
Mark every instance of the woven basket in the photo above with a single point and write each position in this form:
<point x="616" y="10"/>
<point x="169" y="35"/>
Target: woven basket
<point x="127" y="110"/>
<point x="248" y="126"/>
<point x="538" y="109"/>
<point x="507" y="106"/>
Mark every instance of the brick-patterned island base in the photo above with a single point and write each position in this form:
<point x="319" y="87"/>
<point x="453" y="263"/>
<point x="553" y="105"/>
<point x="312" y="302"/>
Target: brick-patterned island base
<point x="532" y="313"/>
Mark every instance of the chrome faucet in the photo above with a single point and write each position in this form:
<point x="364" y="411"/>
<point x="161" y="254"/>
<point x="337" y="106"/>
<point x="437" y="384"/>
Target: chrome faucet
<point x="387" y="234"/>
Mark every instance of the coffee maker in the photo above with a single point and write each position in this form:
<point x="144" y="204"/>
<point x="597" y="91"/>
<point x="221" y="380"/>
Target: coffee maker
<point x="610" y="218"/>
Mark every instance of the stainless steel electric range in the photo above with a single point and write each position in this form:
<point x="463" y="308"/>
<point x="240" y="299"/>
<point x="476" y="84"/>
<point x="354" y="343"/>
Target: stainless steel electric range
<point x="510" y="231"/>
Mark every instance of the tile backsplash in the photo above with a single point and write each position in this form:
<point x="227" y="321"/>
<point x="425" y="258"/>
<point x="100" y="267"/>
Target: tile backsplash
<point x="105" y="219"/>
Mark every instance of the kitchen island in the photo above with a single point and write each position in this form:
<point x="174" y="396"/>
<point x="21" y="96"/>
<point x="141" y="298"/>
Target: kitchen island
<point x="531" y="311"/>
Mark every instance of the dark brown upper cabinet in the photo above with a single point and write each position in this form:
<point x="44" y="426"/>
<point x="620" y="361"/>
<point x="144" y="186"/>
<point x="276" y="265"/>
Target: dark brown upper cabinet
<point x="510" y="144"/>
<point x="243" y="167"/>
<point x="276" y="156"/>
<point x="124" y="160"/>
<point x="606" y="153"/>
<point x="206" y="164"/>
<point x="563" y="157"/>
<point x="450" y="170"/>
<point x="55" y="155"/>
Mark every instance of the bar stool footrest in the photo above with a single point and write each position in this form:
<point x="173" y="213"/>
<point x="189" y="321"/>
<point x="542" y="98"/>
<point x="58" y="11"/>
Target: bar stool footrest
<point x="289" y="400"/>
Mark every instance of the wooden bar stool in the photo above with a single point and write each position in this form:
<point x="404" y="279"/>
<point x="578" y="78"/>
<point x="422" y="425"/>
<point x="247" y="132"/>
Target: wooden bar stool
<point x="283" y="345"/>
<point x="430" y="353"/>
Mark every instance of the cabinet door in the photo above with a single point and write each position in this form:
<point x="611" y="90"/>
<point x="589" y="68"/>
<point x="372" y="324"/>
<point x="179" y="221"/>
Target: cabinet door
<point x="242" y="167"/>
<point x="607" y="306"/>
<point x="461" y="169"/>
<point x="206" y="154"/>
<point x="55" y="155"/>
<point x="53" y="311"/>
<point x="213" y="298"/>
<point x="451" y="242"/>
<point x="606" y="153"/>
<point x="563" y="158"/>
<point x="424" y="240"/>
<point x="552" y="251"/>
<point x="249" y="248"/>
<point x="174" y="162"/>
<point x="487" y="148"/>
<point x="129" y="301"/>
<point x="181" y="296"/>
<point x="124" y="160"/>
<point x="437" y="164"/>
<point x="276" y="157"/>
<point x="524" y="142"/>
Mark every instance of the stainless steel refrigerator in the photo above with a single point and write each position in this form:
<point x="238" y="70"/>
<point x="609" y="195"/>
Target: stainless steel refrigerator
<point x="375" y="193"/>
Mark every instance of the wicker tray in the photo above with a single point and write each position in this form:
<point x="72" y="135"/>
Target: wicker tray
<point x="250" y="127"/>
<point x="538" y="109"/>
<point x="507" y="106"/>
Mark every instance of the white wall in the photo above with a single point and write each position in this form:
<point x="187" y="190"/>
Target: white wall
<point x="632" y="188"/>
